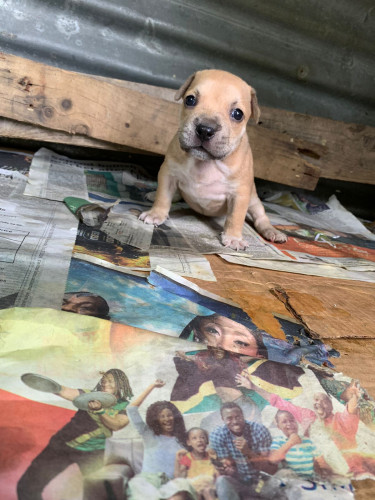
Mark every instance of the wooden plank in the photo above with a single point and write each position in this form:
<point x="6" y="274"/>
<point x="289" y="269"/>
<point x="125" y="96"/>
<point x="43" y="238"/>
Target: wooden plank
<point x="79" y="104"/>
<point x="26" y="131"/>
<point x="82" y="105"/>
<point x="364" y="490"/>
<point x="329" y="308"/>
<point x="343" y="151"/>
<point x="356" y="360"/>
<point x="276" y="157"/>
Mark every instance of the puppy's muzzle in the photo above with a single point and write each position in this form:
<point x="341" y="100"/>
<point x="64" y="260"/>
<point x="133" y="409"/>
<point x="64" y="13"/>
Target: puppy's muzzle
<point x="205" y="131"/>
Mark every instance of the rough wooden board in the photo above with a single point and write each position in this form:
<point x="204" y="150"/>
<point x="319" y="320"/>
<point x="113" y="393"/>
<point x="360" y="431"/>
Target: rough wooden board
<point x="364" y="490"/>
<point x="333" y="308"/>
<point x="79" y="104"/>
<point x="344" y="151"/>
<point x="356" y="360"/>
<point x="328" y="308"/>
<point x="272" y="166"/>
<point x="94" y="107"/>
<point x="26" y="131"/>
<point x="287" y="162"/>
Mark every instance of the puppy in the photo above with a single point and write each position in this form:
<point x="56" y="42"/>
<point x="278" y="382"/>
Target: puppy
<point x="209" y="160"/>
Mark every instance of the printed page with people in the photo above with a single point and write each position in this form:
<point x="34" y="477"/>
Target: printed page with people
<point x="175" y="419"/>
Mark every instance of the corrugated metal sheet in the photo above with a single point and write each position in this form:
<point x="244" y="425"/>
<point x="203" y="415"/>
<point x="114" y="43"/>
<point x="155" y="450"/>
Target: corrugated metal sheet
<point x="313" y="57"/>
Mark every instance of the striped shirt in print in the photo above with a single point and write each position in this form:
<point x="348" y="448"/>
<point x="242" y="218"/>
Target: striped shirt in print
<point x="300" y="457"/>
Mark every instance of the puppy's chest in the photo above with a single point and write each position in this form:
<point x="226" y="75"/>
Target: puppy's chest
<point x="206" y="181"/>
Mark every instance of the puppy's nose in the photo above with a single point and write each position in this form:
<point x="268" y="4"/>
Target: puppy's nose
<point x="204" y="132"/>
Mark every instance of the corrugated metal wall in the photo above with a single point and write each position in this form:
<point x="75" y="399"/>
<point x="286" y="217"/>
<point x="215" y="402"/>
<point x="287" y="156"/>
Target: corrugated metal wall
<point x="314" y="57"/>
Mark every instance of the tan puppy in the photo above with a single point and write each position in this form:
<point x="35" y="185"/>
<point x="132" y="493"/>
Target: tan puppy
<point x="209" y="160"/>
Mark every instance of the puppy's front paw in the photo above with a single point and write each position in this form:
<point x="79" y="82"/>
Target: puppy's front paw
<point x="273" y="235"/>
<point x="153" y="217"/>
<point x="233" y="242"/>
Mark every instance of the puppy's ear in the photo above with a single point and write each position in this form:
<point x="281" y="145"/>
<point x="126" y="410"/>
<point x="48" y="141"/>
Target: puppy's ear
<point x="181" y="91"/>
<point x="255" y="111"/>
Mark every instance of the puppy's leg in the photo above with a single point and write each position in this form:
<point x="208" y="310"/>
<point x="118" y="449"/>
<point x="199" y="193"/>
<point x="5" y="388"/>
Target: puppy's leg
<point x="151" y="196"/>
<point x="167" y="187"/>
<point x="232" y="235"/>
<point x="262" y="223"/>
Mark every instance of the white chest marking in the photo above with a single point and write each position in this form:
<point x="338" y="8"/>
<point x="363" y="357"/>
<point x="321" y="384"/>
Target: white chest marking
<point x="205" y="186"/>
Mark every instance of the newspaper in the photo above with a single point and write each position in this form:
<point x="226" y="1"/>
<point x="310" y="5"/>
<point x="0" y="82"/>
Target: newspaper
<point x="328" y="439"/>
<point x="123" y="224"/>
<point x="127" y="298"/>
<point x="15" y="161"/>
<point x="55" y="177"/>
<point x="321" y="233"/>
<point x="169" y="304"/>
<point x="47" y="179"/>
<point x="184" y="230"/>
<point x="187" y="230"/>
<point x="32" y="233"/>
<point x="93" y="243"/>
<point x="187" y="264"/>
<point x="121" y="190"/>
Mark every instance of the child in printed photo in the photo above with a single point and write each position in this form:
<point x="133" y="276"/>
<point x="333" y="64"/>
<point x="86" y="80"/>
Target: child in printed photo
<point x="195" y="461"/>
<point x="200" y="464"/>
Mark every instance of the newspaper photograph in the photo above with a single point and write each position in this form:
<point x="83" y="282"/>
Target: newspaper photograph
<point x="15" y="161"/>
<point x="325" y="233"/>
<point x="92" y="242"/>
<point x="151" y="305"/>
<point x="32" y="232"/>
<point x="95" y="246"/>
<point x="85" y="418"/>
<point x="126" y="298"/>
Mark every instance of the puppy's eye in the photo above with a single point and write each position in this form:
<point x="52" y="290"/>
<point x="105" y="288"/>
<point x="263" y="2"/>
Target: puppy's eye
<point x="236" y="114"/>
<point x="190" y="100"/>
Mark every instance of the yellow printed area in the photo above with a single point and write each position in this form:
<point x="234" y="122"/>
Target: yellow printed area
<point x="56" y="328"/>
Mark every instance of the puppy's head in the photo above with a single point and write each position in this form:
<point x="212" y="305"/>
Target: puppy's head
<point x="216" y="108"/>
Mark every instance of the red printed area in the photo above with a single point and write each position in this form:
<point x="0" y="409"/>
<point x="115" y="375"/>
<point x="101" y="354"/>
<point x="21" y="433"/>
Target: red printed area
<point x="326" y="249"/>
<point x="26" y="427"/>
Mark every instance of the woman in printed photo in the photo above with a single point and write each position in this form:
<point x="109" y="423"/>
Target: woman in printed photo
<point x="218" y="331"/>
<point x="82" y="440"/>
<point x="163" y="435"/>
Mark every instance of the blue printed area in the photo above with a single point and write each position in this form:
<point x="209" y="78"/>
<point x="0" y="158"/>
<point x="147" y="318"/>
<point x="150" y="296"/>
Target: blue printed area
<point x="133" y="301"/>
<point x="229" y="311"/>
